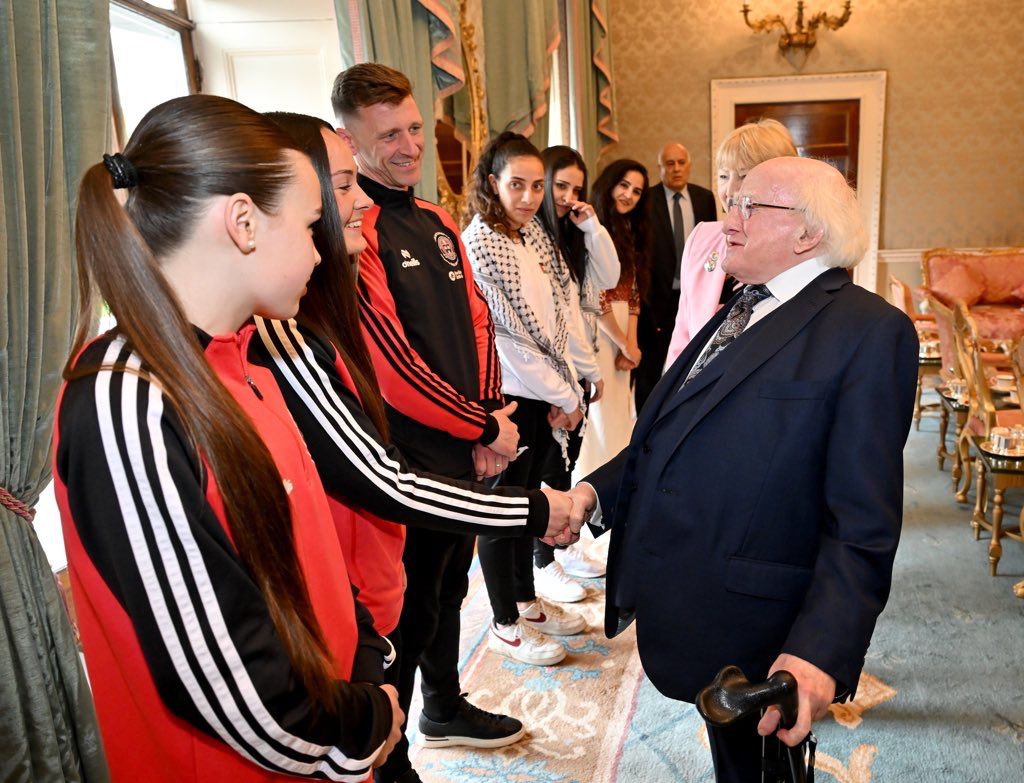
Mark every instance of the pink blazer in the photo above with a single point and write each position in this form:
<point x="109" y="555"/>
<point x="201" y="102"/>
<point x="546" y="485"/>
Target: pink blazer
<point x="699" y="289"/>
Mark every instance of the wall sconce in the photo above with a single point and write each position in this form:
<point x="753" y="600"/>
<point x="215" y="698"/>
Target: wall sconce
<point x="802" y="39"/>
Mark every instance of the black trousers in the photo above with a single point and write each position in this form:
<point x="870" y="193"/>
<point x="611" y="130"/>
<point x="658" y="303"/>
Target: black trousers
<point x="507" y="563"/>
<point x="654" y="348"/>
<point x="736" y="751"/>
<point x="436" y="569"/>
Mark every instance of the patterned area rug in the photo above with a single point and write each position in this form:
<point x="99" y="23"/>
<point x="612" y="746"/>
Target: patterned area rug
<point x="942" y="698"/>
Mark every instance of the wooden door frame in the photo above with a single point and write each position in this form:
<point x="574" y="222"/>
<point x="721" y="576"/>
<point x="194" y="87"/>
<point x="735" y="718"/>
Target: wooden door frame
<point x="867" y="86"/>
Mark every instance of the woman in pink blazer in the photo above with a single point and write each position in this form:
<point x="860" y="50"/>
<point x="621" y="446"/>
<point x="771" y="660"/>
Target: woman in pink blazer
<point x="703" y="286"/>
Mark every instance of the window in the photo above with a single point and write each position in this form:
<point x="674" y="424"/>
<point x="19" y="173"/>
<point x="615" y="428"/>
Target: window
<point x="152" y="59"/>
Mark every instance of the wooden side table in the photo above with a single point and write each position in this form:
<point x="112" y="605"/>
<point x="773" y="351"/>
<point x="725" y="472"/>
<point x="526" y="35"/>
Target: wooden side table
<point x="1002" y="473"/>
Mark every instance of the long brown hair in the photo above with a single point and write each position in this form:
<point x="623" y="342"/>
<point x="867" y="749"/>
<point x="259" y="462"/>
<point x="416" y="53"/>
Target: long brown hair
<point x="184" y="152"/>
<point x="495" y="156"/>
<point x="330" y="306"/>
<point x="631" y="233"/>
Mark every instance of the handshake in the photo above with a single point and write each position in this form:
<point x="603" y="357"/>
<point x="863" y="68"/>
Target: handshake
<point x="568" y="512"/>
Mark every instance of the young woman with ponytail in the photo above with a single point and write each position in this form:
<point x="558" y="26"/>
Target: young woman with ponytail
<point x="540" y="343"/>
<point x="324" y="370"/>
<point x="217" y="617"/>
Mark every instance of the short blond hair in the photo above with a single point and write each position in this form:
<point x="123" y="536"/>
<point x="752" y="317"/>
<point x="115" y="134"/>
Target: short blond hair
<point x="754" y="143"/>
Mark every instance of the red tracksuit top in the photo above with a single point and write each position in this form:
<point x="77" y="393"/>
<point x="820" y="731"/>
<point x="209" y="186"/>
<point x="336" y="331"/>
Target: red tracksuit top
<point x="370" y="486"/>
<point x="190" y="680"/>
<point x="429" y="331"/>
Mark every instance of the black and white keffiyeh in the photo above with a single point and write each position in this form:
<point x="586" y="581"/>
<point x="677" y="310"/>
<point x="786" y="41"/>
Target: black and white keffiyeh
<point x="496" y="270"/>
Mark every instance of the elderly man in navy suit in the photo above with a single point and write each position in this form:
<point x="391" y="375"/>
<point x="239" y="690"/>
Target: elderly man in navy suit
<point x="756" y="512"/>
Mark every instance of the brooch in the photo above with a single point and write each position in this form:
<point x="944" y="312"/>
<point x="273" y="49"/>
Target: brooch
<point x="711" y="262"/>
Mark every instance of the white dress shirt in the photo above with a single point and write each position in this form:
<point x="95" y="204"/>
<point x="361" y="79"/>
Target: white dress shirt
<point x="782" y="288"/>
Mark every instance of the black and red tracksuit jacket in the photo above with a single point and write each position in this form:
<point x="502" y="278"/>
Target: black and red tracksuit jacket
<point x="191" y="682"/>
<point x="429" y="332"/>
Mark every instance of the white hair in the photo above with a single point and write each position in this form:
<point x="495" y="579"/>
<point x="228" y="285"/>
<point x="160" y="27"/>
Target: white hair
<point x="830" y="205"/>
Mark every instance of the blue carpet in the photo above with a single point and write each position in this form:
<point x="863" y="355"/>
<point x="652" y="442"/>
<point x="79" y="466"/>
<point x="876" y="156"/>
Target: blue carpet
<point x="950" y="644"/>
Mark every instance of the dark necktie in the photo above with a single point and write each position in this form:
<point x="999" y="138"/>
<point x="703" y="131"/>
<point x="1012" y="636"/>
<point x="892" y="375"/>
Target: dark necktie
<point x="731" y="328"/>
<point x="678" y="235"/>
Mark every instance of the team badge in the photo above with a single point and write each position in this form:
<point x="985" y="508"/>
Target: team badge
<point x="447" y="248"/>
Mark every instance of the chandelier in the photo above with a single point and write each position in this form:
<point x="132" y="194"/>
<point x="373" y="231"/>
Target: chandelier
<point x="803" y="37"/>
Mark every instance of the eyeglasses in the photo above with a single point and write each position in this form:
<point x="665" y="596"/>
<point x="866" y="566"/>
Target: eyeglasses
<point x="746" y="206"/>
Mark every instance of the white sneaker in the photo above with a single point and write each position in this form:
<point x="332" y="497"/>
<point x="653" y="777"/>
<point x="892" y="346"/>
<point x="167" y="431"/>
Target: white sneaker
<point x="576" y="562"/>
<point x="550" y="619"/>
<point x="525" y="644"/>
<point x="552" y="583"/>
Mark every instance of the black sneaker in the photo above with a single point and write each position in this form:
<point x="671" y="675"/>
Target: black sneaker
<point x="470" y="726"/>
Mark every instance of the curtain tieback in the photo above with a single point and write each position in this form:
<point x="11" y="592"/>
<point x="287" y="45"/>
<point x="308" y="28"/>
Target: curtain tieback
<point x="15" y="505"/>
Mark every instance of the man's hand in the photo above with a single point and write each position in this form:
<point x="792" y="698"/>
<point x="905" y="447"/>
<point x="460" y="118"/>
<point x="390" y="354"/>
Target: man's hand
<point x="815" y="691"/>
<point x="598" y="391"/>
<point x="560" y="512"/>
<point x="584" y="503"/>
<point x="487" y="462"/>
<point x="508" y="433"/>
<point x="397" y="718"/>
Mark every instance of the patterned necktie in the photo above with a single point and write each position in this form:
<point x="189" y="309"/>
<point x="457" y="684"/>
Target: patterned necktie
<point x="731" y="328"/>
<point x="678" y="236"/>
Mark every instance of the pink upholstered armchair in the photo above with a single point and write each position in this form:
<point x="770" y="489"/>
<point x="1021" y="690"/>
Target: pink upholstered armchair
<point x="989" y="282"/>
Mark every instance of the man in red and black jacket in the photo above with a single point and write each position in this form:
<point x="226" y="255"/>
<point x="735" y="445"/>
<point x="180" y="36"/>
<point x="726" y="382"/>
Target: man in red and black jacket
<point x="432" y="341"/>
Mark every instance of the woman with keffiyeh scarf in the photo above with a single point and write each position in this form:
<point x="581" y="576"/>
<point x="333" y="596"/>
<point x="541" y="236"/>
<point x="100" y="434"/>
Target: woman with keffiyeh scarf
<point x="540" y="340"/>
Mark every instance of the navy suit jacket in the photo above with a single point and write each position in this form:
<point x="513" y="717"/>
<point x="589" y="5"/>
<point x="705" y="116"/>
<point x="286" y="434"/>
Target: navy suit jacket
<point x="758" y="511"/>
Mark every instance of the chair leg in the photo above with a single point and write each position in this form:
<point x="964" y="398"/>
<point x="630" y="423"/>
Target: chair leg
<point x="980" y="500"/>
<point x="943" y="428"/>
<point x="995" y="549"/>
<point x="964" y="456"/>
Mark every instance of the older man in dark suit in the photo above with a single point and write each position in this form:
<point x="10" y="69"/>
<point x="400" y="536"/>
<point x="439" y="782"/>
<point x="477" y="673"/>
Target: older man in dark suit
<point x="676" y="206"/>
<point x="756" y="512"/>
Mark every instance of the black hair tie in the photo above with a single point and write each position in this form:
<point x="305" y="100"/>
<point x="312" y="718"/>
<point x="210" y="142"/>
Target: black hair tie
<point x="121" y="169"/>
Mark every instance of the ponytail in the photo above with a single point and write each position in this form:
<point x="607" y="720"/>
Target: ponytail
<point x="185" y="151"/>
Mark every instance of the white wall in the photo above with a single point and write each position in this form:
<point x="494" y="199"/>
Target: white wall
<point x="268" y="54"/>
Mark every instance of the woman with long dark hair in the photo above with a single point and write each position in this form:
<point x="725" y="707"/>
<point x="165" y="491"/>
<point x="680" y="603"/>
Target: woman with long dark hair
<point x="529" y="290"/>
<point x="620" y="199"/>
<point x="589" y="253"/>
<point x="324" y="370"/>
<point x="216" y="613"/>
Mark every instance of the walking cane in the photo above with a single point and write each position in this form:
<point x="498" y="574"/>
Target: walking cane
<point x="731" y="697"/>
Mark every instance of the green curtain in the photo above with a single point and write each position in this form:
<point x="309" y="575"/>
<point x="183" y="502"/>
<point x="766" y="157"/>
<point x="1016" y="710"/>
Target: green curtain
<point x="519" y="37"/>
<point x="418" y="37"/>
<point x="54" y="66"/>
<point x="591" y="91"/>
